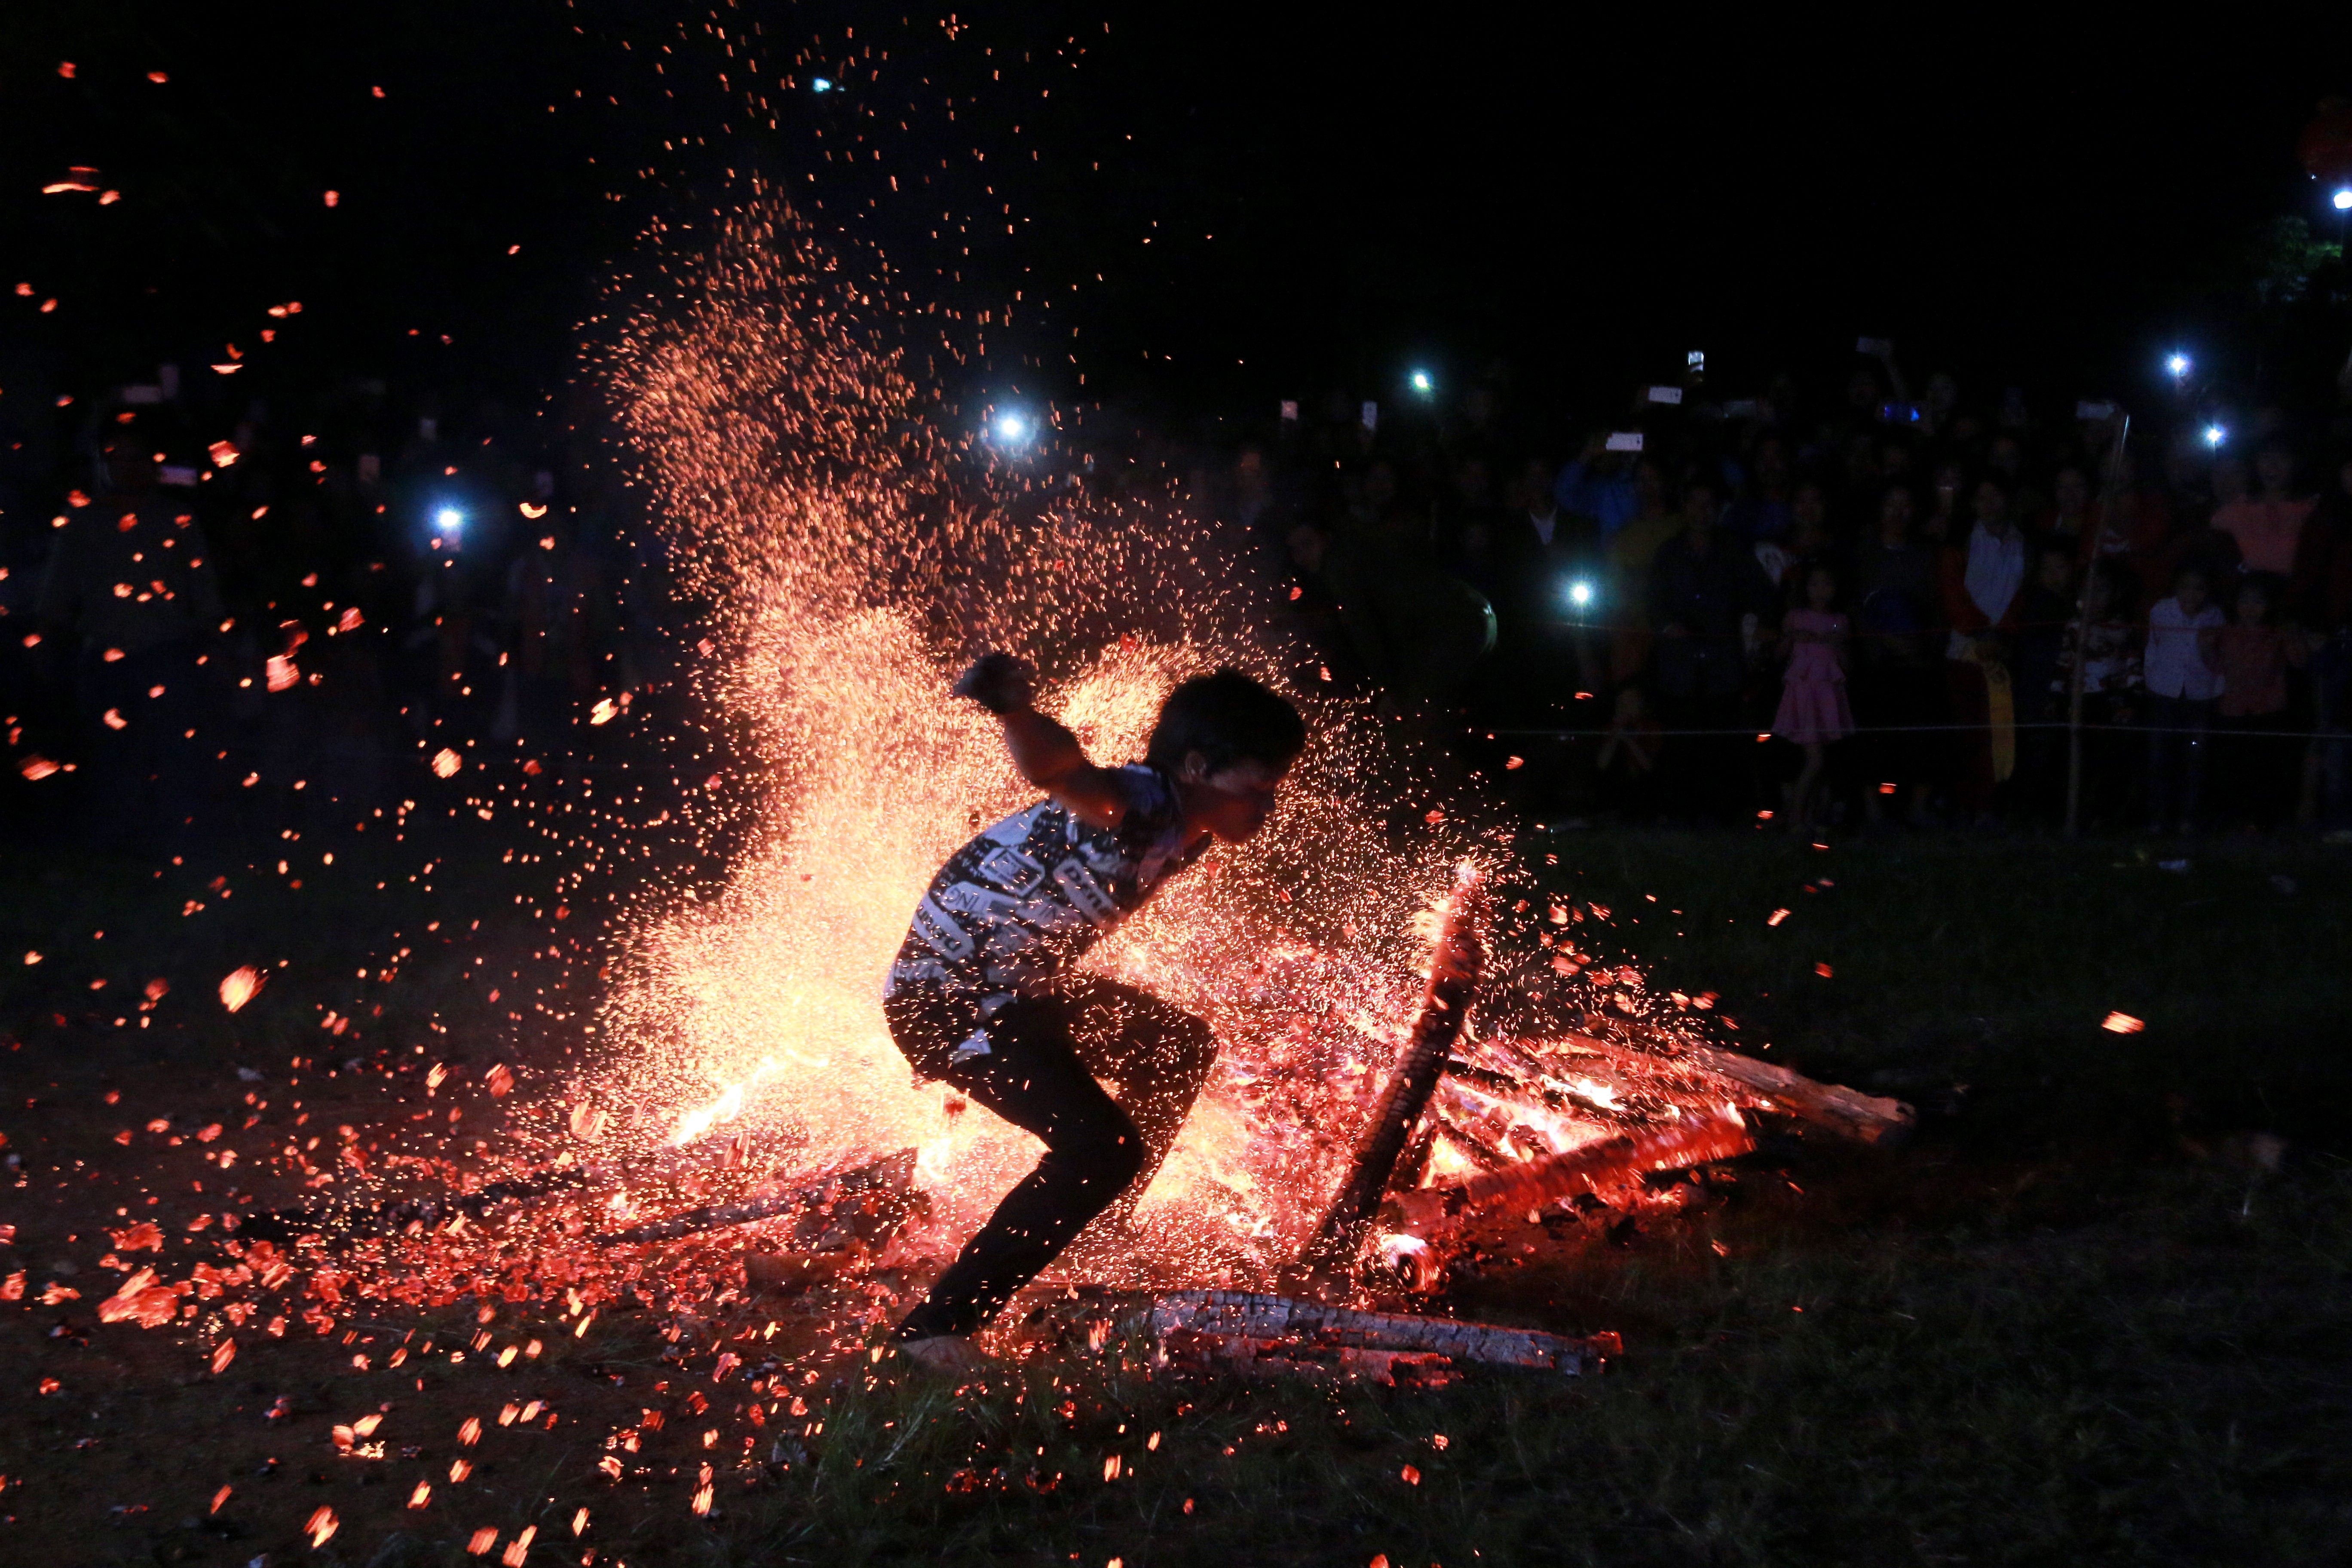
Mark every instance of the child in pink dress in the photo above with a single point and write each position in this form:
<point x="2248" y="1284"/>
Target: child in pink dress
<point x="1814" y="711"/>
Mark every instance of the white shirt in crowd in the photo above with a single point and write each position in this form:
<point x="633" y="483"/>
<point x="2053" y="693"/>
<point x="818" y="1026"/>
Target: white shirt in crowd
<point x="2173" y="667"/>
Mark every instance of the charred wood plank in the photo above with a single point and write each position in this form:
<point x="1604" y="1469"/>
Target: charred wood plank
<point x="1454" y="967"/>
<point x="1595" y="1167"/>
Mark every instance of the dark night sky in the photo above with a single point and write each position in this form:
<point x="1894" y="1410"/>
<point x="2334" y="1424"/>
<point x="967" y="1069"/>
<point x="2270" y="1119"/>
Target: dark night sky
<point x="1325" y="196"/>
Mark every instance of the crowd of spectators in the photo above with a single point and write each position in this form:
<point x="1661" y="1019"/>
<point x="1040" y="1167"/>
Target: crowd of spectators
<point x="217" y="611"/>
<point x="1860" y="608"/>
<point x="1856" y="609"/>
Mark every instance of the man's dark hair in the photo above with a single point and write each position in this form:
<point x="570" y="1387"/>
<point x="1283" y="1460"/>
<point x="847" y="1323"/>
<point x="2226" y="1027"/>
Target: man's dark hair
<point x="1227" y="717"/>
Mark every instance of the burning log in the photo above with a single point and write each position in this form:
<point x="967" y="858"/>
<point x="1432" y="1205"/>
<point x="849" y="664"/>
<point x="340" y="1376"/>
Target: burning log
<point x="865" y="1206"/>
<point x="1611" y="1162"/>
<point x="1453" y="977"/>
<point x="1244" y="1331"/>
<point x="1866" y="1118"/>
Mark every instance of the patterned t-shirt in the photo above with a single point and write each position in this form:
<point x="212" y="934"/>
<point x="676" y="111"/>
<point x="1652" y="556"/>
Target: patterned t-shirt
<point x="1013" y="909"/>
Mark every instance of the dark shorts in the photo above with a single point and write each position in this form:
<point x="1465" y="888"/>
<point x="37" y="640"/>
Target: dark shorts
<point x="1040" y="1072"/>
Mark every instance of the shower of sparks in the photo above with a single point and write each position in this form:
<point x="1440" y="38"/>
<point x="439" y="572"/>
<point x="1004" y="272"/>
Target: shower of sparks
<point x="856" y="560"/>
<point x="851" y="554"/>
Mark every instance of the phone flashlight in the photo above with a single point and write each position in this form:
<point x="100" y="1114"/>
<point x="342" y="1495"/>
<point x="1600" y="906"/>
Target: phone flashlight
<point x="820" y="84"/>
<point x="1580" y="594"/>
<point x="2178" y="365"/>
<point x="1010" y="429"/>
<point x="1422" y="383"/>
<point x="2342" y="200"/>
<point x="2215" y="434"/>
<point x="448" y="520"/>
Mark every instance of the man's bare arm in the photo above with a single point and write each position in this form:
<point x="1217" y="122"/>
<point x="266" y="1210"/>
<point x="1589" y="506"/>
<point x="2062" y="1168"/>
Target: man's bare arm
<point x="1045" y="750"/>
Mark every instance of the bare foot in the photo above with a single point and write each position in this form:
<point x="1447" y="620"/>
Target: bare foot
<point x="953" y="1354"/>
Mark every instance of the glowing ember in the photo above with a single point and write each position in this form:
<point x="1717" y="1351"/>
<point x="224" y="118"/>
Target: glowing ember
<point x="238" y="985"/>
<point x="2122" y="1024"/>
<point x="446" y="762"/>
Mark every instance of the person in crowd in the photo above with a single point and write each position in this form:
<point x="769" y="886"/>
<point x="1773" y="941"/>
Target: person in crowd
<point x="2182" y="668"/>
<point x="1813" y="713"/>
<point x="2321" y="589"/>
<point x="1896" y="682"/>
<point x="131" y="597"/>
<point x="1981" y="582"/>
<point x="2046" y="609"/>
<point x="2258" y="767"/>
<point x="2268" y="524"/>
<point x="2005" y="459"/>
<point x="1625" y="575"/>
<point x="2132" y="527"/>
<point x="1530" y="562"/>
<point x="1628" y="759"/>
<point x="1598" y="484"/>
<point x="1942" y="525"/>
<point x="1763" y="513"/>
<point x="1707" y="593"/>
<point x="1941" y="409"/>
<point x="2066" y="522"/>
<point x="1417" y="631"/>
<point x="2105" y="642"/>
<point x="1469" y="523"/>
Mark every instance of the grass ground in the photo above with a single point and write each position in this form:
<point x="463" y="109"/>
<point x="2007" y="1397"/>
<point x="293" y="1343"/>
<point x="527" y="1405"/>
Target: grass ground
<point x="2079" y="1320"/>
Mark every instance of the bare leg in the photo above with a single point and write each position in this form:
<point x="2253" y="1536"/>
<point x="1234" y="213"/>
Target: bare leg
<point x="1801" y="793"/>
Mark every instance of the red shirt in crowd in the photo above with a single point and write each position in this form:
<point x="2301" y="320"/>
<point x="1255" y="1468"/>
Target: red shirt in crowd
<point x="2266" y="531"/>
<point x="2254" y="668"/>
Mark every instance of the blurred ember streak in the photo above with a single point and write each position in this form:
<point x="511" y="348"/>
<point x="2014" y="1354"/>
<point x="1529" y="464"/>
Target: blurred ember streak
<point x="238" y="985"/>
<point x="2122" y="1024"/>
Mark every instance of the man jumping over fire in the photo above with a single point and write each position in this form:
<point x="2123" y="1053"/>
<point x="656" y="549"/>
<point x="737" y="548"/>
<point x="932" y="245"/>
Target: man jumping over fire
<point x="984" y="995"/>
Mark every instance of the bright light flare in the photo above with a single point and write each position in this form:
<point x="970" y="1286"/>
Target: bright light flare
<point x="448" y="520"/>
<point x="2342" y="200"/>
<point x="1580" y="594"/>
<point x="2215" y="434"/>
<point x="2178" y="364"/>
